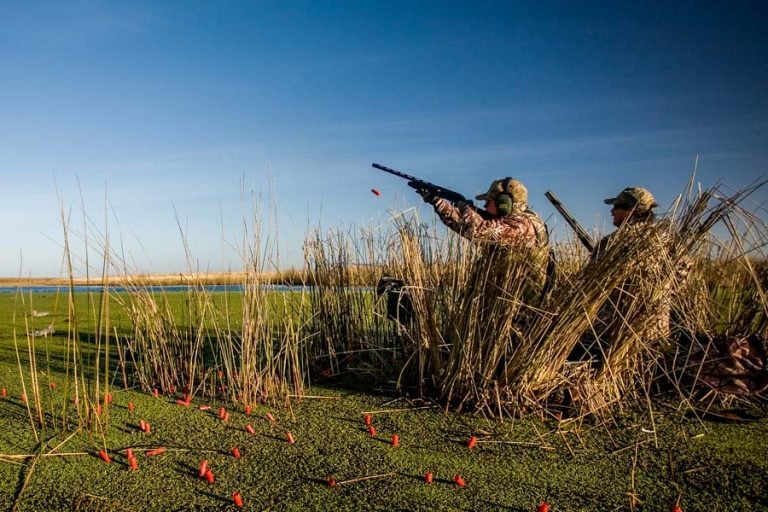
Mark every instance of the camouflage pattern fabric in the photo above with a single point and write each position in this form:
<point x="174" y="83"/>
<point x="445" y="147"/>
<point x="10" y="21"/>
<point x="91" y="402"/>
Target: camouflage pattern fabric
<point x="518" y="228"/>
<point x="731" y="364"/>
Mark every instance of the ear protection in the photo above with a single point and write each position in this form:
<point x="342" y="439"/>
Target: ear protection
<point x="504" y="201"/>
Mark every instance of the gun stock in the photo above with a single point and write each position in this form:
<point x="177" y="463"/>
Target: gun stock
<point x="581" y="233"/>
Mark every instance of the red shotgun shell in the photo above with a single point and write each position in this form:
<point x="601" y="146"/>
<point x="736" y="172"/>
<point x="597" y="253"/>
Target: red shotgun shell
<point x="236" y="452"/>
<point x="105" y="456"/>
<point x="368" y="420"/>
<point x="130" y="406"/>
<point x="395" y="441"/>
<point x="203" y="469"/>
<point x="290" y="438"/>
<point x="332" y="482"/>
<point x="428" y="477"/>
<point x="372" y="431"/>
<point x="134" y="463"/>
<point x="459" y="481"/>
<point x="156" y="451"/>
<point x="237" y="499"/>
<point x="270" y="417"/>
<point x="249" y="429"/>
<point x="472" y="442"/>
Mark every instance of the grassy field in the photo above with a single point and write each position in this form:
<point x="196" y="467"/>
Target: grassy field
<point x="634" y="461"/>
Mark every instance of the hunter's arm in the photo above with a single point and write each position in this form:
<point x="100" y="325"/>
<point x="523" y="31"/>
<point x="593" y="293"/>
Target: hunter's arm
<point x="511" y="229"/>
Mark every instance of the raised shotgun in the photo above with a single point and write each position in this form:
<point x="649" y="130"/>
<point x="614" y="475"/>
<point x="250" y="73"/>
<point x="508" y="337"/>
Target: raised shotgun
<point x="581" y="233"/>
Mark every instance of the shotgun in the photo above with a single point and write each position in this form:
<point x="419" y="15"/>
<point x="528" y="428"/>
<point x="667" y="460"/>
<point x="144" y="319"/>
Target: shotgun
<point x="581" y="233"/>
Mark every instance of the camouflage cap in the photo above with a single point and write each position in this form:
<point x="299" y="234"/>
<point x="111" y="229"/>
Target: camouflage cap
<point x="509" y="186"/>
<point x="637" y="198"/>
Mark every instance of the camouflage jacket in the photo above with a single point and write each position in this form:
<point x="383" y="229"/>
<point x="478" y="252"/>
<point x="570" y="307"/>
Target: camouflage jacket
<point x="516" y="229"/>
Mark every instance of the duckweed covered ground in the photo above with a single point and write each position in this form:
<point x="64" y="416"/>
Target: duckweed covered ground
<point x="514" y="466"/>
<point x="627" y="462"/>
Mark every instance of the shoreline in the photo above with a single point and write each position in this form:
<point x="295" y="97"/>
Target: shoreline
<point x="210" y="278"/>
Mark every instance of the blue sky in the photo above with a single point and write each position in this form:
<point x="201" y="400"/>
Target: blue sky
<point x="169" y="110"/>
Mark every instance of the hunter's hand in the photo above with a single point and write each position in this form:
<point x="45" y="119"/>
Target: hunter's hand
<point x="426" y="195"/>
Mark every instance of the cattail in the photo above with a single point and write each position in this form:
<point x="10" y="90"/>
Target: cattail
<point x="290" y="438"/>
<point x="236" y="452"/>
<point x="130" y="406"/>
<point x="428" y="477"/>
<point x="459" y="481"/>
<point x="543" y="507"/>
<point x="133" y="463"/>
<point x="332" y="482"/>
<point x="395" y="440"/>
<point x="372" y="431"/>
<point x="237" y="499"/>
<point x="105" y="456"/>
<point x="249" y="429"/>
<point x="156" y="451"/>
<point x="472" y="442"/>
<point x="203" y="469"/>
<point x="368" y="420"/>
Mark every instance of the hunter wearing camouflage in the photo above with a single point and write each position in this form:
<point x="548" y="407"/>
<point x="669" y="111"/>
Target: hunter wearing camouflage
<point x="637" y="309"/>
<point x="511" y="222"/>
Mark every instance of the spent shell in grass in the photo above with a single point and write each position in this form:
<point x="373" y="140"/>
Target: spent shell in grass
<point x="129" y="452"/>
<point x="236" y="452"/>
<point x="105" y="456"/>
<point x="237" y="499"/>
<point x="134" y="464"/>
<point x="130" y="406"/>
<point x="53" y="384"/>
<point x="332" y="482"/>
<point x="368" y="419"/>
<point x="676" y="508"/>
<point x="156" y="451"/>
<point x="222" y="412"/>
<point x="247" y="410"/>
<point x="372" y="431"/>
<point x="249" y="429"/>
<point x="543" y="507"/>
<point x="459" y="481"/>
<point x="290" y="438"/>
<point x="142" y="425"/>
<point x="395" y="440"/>
<point x="24" y="398"/>
<point x="428" y="477"/>
<point x="3" y="393"/>
<point x="270" y="417"/>
<point x="472" y="442"/>
<point x="203" y="469"/>
<point x="155" y="393"/>
<point x="209" y="476"/>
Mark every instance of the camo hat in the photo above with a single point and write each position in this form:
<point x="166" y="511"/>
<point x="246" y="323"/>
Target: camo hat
<point x="514" y="189"/>
<point x="637" y="198"/>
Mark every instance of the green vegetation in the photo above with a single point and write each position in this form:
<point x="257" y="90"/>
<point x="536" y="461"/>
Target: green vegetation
<point x="574" y="465"/>
<point x="485" y="351"/>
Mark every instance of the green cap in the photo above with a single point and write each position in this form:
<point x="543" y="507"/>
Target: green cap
<point x="637" y="198"/>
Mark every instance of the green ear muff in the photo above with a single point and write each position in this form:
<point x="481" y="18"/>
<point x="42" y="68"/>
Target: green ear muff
<point x="504" y="204"/>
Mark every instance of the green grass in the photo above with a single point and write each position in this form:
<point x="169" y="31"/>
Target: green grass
<point x="516" y="465"/>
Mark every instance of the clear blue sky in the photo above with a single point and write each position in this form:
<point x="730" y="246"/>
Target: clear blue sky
<point x="166" y="107"/>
